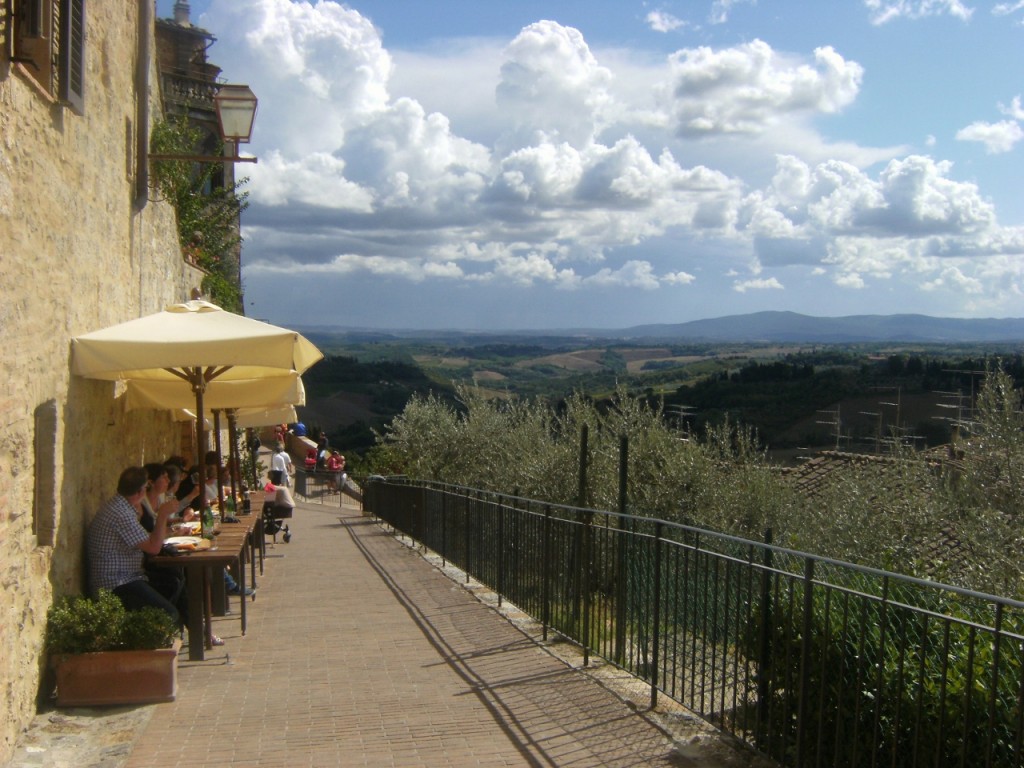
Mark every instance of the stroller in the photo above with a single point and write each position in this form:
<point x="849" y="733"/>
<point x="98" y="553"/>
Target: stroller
<point x="277" y="507"/>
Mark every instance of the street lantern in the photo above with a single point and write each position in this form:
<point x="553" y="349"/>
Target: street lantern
<point x="236" y="110"/>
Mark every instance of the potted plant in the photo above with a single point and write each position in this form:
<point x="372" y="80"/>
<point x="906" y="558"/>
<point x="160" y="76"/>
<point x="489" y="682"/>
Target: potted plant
<point x="103" y="654"/>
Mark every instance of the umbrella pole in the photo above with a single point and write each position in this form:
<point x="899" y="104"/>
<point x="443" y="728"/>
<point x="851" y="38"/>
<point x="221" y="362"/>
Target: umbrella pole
<point x="198" y="386"/>
<point x="233" y="462"/>
<point x="220" y="461"/>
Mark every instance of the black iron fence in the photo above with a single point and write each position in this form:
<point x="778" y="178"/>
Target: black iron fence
<point x="812" y="662"/>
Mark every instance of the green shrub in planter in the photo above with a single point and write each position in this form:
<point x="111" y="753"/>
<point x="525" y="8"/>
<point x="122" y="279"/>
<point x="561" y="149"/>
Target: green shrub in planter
<point x="78" y="624"/>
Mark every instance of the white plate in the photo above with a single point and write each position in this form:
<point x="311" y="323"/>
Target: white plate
<point x="183" y="540"/>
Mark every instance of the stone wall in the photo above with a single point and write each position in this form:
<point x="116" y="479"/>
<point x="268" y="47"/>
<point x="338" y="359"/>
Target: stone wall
<point x="78" y="252"/>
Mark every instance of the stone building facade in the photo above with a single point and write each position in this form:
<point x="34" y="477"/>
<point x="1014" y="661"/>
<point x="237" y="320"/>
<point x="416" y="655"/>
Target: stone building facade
<point x="84" y="243"/>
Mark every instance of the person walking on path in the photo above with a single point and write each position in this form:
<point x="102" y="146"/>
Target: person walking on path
<point x="282" y="463"/>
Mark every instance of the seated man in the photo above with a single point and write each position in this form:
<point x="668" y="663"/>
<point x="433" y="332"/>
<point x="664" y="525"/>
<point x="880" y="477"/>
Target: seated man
<point x="116" y="543"/>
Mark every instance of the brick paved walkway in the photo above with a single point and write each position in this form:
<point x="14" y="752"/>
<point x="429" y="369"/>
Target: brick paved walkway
<point x="361" y="653"/>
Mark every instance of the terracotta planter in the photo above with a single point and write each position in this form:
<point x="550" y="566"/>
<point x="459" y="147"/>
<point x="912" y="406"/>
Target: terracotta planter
<point x="117" y="677"/>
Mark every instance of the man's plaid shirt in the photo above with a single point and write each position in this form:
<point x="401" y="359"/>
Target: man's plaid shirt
<point x="112" y="545"/>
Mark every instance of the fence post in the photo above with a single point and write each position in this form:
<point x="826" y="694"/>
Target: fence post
<point x="656" y="615"/>
<point x="546" y="584"/>
<point x="621" y="576"/>
<point x="588" y="534"/>
<point x="466" y="535"/>
<point x="761" y="734"/>
<point x="421" y="519"/>
<point x="997" y="637"/>
<point x="480" y="506"/>
<point x="444" y="529"/>
<point x="805" y="659"/>
<point x="501" y="551"/>
<point x="575" y="568"/>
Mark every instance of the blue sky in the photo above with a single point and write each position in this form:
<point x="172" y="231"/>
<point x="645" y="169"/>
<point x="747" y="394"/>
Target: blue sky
<point x="482" y="164"/>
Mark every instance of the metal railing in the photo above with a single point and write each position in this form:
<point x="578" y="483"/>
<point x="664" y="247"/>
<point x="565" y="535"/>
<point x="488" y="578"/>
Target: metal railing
<point x="313" y="486"/>
<point x="811" y="661"/>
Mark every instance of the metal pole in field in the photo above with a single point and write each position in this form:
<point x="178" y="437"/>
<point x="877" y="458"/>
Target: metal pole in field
<point x="581" y="495"/>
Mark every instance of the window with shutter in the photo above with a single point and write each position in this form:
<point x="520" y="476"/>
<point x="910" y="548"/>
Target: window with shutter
<point x="32" y="35"/>
<point x="48" y="42"/>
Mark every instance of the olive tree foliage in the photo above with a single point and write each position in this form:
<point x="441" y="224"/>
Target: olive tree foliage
<point x="956" y="521"/>
<point x="987" y="490"/>
<point x="529" y="448"/>
<point x="993" y="448"/>
<point x="502" y="445"/>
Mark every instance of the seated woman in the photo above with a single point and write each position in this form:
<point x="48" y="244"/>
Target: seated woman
<point x="175" y="476"/>
<point x="159" y="503"/>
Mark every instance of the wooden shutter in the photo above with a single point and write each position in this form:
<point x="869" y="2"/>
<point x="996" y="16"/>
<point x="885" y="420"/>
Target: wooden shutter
<point x="71" y="60"/>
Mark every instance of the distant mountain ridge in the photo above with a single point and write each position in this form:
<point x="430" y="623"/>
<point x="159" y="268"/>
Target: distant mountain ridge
<point x="794" y="327"/>
<point x="772" y="327"/>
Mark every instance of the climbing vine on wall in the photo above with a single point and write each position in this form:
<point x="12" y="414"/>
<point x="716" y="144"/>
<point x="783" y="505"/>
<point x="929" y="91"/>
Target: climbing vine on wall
<point x="208" y="213"/>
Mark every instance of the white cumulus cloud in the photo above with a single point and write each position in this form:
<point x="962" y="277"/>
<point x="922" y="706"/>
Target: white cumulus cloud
<point x="1015" y="110"/>
<point x="720" y="10"/>
<point x="585" y="175"/>
<point x="678" y="278"/>
<point x="747" y="88"/>
<point x="552" y="86"/>
<point x="758" y="284"/>
<point x="884" y="11"/>
<point x="1003" y="9"/>
<point x="662" y="21"/>
<point x="632" y="274"/>
<point x="997" y="137"/>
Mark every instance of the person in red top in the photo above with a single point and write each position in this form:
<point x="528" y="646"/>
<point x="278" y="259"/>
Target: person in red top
<point x="336" y="466"/>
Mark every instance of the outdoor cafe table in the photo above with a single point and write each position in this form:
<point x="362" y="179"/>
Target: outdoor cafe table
<point x="203" y="577"/>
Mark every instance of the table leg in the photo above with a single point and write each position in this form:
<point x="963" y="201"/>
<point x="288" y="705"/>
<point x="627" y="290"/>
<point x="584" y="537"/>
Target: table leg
<point x="241" y="586"/>
<point x="261" y="541"/>
<point x="207" y="610"/>
<point x="196" y="633"/>
<point x="218" y="591"/>
<point x="251" y="541"/>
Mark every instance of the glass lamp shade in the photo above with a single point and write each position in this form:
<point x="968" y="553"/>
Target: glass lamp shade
<point x="236" y="110"/>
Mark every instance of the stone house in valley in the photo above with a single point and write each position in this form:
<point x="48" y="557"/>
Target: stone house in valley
<point x="86" y="243"/>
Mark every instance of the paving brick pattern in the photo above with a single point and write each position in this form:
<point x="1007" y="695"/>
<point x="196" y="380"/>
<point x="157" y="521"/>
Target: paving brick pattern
<point x="361" y="653"/>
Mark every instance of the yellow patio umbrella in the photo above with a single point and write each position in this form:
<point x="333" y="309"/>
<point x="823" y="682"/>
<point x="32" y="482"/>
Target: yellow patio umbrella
<point x="283" y="388"/>
<point x="193" y="348"/>
<point x="264" y="417"/>
<point x="249" y="417"/>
